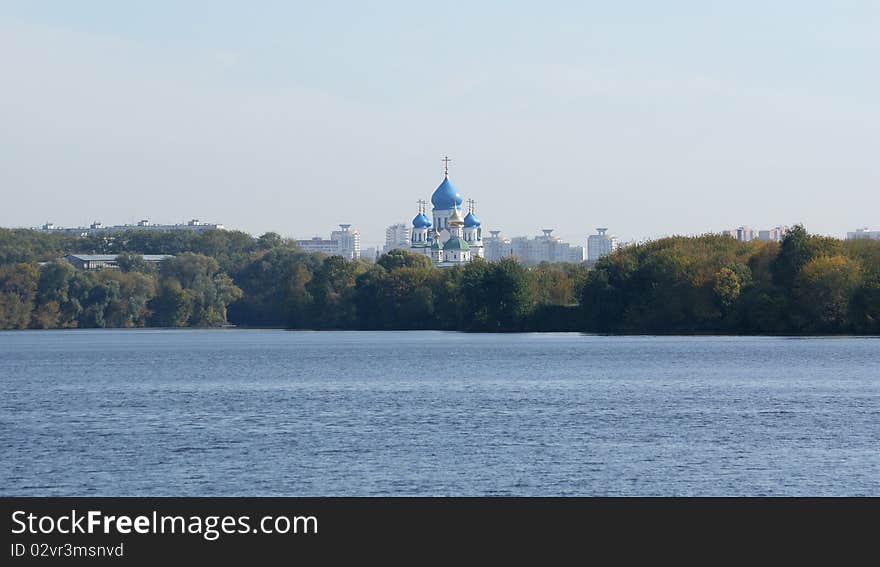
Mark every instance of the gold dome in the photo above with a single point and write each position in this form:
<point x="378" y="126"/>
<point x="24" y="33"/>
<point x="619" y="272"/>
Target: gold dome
<point x="455" y="218"/>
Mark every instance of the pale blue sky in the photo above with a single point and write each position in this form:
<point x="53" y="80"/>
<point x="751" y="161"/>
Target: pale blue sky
<point x="650" y="118"/>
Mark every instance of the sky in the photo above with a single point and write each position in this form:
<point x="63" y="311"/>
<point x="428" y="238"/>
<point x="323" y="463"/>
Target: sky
<point x="650" y="118"/>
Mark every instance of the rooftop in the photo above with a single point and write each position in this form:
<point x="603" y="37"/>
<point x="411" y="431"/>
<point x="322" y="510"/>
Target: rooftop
<point x="112" y="257"/>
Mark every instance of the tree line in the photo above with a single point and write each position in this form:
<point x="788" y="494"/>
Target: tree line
<point x="711" y="283"/>
<point x="805" y="284"/>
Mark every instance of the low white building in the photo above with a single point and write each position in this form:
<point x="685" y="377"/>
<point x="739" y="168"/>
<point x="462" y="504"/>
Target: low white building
<point x="109" y="261"/>
<point x="371" y="254"/>
<point x="318" y="244"/>
<point x="345" y="242"/>
<point x="97" y="227"/>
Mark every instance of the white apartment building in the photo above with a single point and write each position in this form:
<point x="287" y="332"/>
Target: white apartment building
<point x="601" y="244"/>
<point x="863" y="233"/>
<point x="533" y="251"/>
<point x="318" y="244"/>
<point x="774" y="234"/>
<point x="742" y="233"/>
<point x="747" y="234"/>
<point x="397" y="236"/>
<point x="349" y="241"/>
<point x="370" y="254"/>
<point x="497" y="246"/>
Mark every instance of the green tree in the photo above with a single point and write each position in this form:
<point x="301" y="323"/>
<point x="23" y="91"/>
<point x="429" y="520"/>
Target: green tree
<point x="208" y="290"/>
<point x="671" y="284"/>
<point x="799" y="247"/>
<point x="410" y="298"/>
<point x="273" y="287"/>
<point x="864" y="310"/>
<point x="20" y="245"/>
<point x="449" y="304"/>
<point x="269" y="240"/>
<point x="129" y="262"/>
<point x="401" y="298"/>
<point x="552" y="284"/>
<point x="793" y="254"/>
<point x="369" y="299"/>
<point x="18" y="290"/>
<point x="496" y="295"/>
<point x="727" y="286"/>
<point x="604" y="297"/>
<point x="172" y="306"/>
<point x="399" y="258"/>
<point x="97" y="298"/>
<point x="823" y="290"/>
<point x="58" y="303"/>
<point x="129" y="307"/>
<point x="332" y="292"/>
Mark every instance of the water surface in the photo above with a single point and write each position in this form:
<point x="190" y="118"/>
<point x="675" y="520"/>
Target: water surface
<point x="269" y="412"/>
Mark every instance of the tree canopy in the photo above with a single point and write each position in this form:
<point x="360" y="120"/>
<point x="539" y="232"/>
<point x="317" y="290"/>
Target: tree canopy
<point x="710" y="283"/>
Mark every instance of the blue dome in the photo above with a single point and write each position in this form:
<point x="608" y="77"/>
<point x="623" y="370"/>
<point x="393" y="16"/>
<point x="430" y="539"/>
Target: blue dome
<point x="471" y="220"/>
<point x="446" y="196"/>
<point x="421" y="221"/>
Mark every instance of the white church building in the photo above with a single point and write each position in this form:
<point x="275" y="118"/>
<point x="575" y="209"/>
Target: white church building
<point x="449" y="238"/>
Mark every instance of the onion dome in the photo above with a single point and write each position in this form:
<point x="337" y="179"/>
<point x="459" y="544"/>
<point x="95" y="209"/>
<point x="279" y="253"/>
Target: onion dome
<point x="471" y="220"/>
<point x="456" y="243"/>
<point x="455" y="218"/>
<point x="446" y="196"/>
<point x="421" y="221"/>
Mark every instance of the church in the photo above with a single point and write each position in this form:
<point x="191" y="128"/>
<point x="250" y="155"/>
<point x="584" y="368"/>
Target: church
<point x="449" y="238"/>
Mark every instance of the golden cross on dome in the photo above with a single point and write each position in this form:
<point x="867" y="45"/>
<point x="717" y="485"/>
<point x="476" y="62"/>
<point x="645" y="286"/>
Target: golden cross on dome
<point x="446" y="161"/>
<point x="422" y="204"/>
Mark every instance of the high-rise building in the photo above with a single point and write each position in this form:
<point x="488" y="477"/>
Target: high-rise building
<point x="601" y="244"/>
<point x="397" y="236"/>
<point x="349" y="241"/>
<point x="497" y="246"/>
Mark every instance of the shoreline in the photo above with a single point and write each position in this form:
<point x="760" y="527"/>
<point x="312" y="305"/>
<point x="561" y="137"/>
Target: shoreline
<point x="585" y="333"/>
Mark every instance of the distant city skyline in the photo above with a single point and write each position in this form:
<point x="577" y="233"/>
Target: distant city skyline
<point x="569" y="115"/>
<point x="743" y="232"/>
